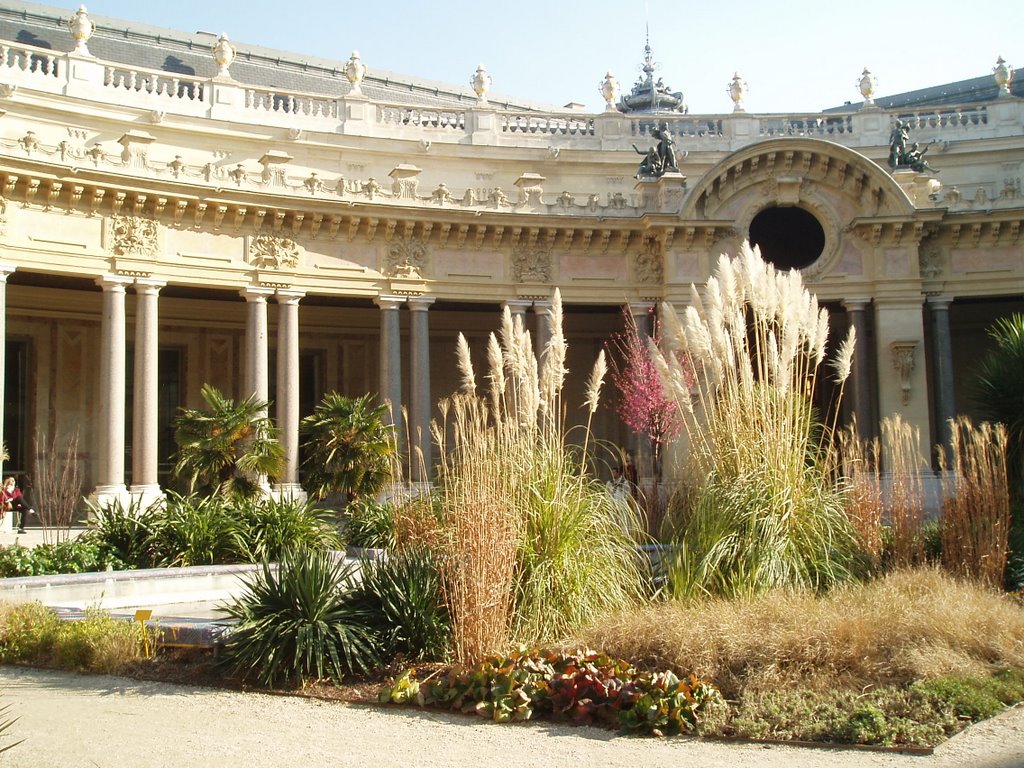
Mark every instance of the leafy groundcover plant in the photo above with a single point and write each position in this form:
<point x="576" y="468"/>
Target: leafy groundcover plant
<point x="583" y="687"/>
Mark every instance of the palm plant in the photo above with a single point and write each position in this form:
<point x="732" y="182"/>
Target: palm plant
<point x="299" y="621"/>
<point x="350" y="448"/>
<point x="999" y="391"/>
<point x="227" y="447"/>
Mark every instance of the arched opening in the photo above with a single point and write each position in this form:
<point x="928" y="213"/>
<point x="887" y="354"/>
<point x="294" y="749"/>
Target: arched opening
<point x="789" y="238"/>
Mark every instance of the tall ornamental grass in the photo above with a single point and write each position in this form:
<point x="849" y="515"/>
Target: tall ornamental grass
<point x="767" y="511"/>
<point x="533" y="545"/>
<point x="976" y="511"/>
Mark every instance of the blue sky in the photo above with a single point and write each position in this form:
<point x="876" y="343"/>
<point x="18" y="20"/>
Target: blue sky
<point x="795" y="55"/>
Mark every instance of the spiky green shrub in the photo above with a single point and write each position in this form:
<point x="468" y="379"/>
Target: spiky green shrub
<point x="123" y="534"/>
<point x="227" y="447"/>
<point x="370" y="524"/>
<point x="766" y="510"/>
<point x="402" y="598"/>
<point x="298" y="622"/>
<point x="532" y="546"/>
<point x="267" y="527"/>
<point x="999" y="391"/>
<point x="350" y="447"/>
<point x="195" y="530"/>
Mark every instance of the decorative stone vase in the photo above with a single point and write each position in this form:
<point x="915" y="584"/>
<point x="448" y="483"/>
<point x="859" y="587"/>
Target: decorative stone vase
<point x="737" y="92"/>
<point x="81" y="27"/>
<point x="355" y="71"/>
<point x="224" y="54"/>
<point x="481" y="83"/>
<point x="609" y="88"/>
<point x="866" y="86"/>
<point x="1003" y="74"/>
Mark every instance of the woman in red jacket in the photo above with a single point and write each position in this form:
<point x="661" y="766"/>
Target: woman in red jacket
<point x="11" y="497"/>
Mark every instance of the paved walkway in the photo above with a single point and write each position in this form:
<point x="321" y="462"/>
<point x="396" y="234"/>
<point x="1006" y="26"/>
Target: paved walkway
<point x="72" y="721"/>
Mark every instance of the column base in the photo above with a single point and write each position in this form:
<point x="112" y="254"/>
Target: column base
<point x="107" y="495"/>
<point x="146" y="496"/>
<point x="289" y="492"/>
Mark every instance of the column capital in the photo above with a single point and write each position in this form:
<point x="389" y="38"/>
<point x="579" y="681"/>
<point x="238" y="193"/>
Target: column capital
<point x="390" y="302"/>
<point x="115" y="283"/>
<point x="856" y="304"/>
<point x="255" y="293"/>
<point x="5" y="271"/>
<point x="149" y="285"/>
<point x="421" y="303"/>
<point x="939" y="303"/>
<point x="541" y="305"/>
<point x="641" y="307"/>
<point x="288" y="296"/>
<point x="517" y="306"/>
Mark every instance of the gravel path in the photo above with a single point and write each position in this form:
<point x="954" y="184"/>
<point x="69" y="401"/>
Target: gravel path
<point x="72" y="721"/>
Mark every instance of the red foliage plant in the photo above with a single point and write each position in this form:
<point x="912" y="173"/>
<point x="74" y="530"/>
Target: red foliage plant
<point x="643" y="404"/>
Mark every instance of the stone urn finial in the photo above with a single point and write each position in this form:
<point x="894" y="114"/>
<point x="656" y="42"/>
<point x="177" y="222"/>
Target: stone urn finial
<point x="223" y="53"/>
<point x="355" y="71"/>
<point x="866" y="85"/>
<point x="737" y="91"/>
<point x="1003" y="74"/>
<point x="609" y="88"/>
<point x="481" y="83"/>
<point x="81" y="27"/>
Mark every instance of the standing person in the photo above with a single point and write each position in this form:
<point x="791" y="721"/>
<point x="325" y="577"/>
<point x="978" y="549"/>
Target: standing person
<point x="618" y="487"/>
<point x="12" y="498"/>
<point x="630" y="473"/>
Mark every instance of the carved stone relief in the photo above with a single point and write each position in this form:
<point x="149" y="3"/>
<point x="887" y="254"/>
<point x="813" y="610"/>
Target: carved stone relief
<point x="531" y="265"/>
<point x="931" y="260"/>
<point x="649" y="264"/>
<point x="271" y="252"/>
<point x="407" y="257"/>
<point x="134" y="236"/>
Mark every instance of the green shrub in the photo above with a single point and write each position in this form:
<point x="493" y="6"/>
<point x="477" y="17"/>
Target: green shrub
<point x="970" y="698"/>
<point x="299" y="622"/>
<point x="28" y="632"/>
<point x="122" y="535"/>
<point x="31" y="633"/>
<point x="370" y="525"/>
<point x="195" y="530"/>
<point x="268" y="527"/>
<point x="403" y="600"/>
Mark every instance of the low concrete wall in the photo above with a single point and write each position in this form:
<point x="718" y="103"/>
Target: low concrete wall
<point x="112" y="590"/>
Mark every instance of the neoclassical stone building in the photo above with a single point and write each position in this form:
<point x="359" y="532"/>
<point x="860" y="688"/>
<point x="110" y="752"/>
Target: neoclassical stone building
<point x="177" y="211"/>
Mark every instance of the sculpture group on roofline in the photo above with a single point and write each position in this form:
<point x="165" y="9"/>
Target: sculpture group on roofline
<point x="659" y="159"/>
<point x="903" y="153"/>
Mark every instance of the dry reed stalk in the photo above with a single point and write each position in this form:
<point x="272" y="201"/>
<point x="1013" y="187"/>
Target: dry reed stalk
<point x="902" y="458"/>
<point x="58" y="486"/>
<point x="976" y="512"/>
<point x="864" y="503"/>
<point x="892" y="631"/>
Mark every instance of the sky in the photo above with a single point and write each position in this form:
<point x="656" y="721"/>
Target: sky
<point x="795" y="55"/>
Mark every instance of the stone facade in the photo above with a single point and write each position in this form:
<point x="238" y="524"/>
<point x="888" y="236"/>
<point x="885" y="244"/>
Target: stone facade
<point x="145" y="211"/>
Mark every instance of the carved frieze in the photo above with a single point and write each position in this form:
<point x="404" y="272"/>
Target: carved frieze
<point x="272" y="252"/>
<point x="531" y="265"/>
<point x="134" y="236"/>
<point x="648" y="264"/>
<point x="407" y="257"/>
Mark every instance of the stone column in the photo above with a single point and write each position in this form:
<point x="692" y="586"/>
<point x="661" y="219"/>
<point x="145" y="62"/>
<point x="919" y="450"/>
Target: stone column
<point x="861" y="374"/>
<point x="288" y="390"/>
<point x="145" y="431"/>
<point x="543" y="311"/>
<point x="5" y="271"/>
<point x="902" y="384"/>
<point x="254" y="382"/>
<point x="391" y="360"/>
<point x="517" y="308"/>
<point x="942" y="367"/>
<point x="110" y="475"/>
<point x="643" y="447"/>
<point x="421" y="462"/>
